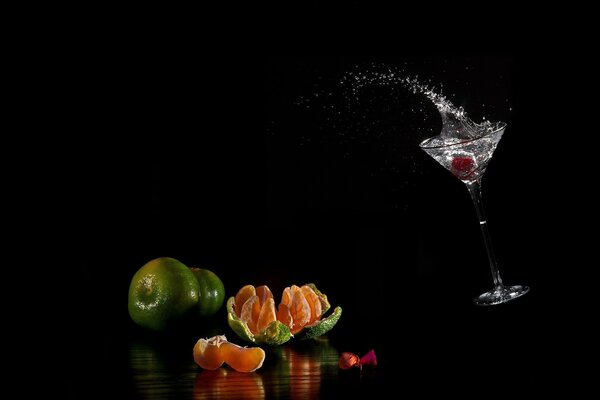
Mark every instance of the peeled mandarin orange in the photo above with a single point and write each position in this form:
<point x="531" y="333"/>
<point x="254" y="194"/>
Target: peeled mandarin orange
<point x="212" y="353"/>
<point x="253" y="316"/>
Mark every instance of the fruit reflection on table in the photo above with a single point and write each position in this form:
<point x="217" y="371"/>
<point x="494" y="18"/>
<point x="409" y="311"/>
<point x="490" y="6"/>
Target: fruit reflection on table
<point x="225" y="383"/>
<point x="289" y="371"/>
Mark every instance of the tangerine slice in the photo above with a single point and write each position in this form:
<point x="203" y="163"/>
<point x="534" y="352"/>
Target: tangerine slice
<point x="242" y="296"/>
<point x="267" y="315"/>
<point x="286" y="297"/>
<point x="300" y="310"/>
<point x="242" y="359"/>
<point x="263" y="292"/>
<point x="284" y="315"/>
<point x="314" y="303"/>
<point x="322" y="298"/>
<point x="207" y="352"/>
<point x="250" y="313"/>
<point x="212" y="353"/>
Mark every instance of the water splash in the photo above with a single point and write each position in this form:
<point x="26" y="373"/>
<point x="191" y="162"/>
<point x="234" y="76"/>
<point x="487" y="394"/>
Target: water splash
<point x="456" y="125"/>
<point x="374" y="116"/>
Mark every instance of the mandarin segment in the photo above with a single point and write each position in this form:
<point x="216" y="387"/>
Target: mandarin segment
<point x="236" y="324"/>
<point x="263" y="292"/>
<point x="207" y="352"/>
<point x="314" y="304"/>
<point x="286" y="297"/>
<point x="243" y="359"/>
<point x="300" y="309"/>
<point x="323" y="298"/>
<point x="242" y="296"/>
<point x="267" y="315"/>
<point x="212" y="353"/>
<point x="284" y="315"/>
<point x="250" y="313"/>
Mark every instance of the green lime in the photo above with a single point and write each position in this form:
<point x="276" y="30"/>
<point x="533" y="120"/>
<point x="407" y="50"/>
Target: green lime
<point x="162" y="291"/>
<point x="211" y="294"/>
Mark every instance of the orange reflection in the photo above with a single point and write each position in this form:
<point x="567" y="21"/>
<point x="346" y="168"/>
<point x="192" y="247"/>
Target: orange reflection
<point x="304" y="374"/>
<point x="224" y="383"/>
<point x="301" y="369"/>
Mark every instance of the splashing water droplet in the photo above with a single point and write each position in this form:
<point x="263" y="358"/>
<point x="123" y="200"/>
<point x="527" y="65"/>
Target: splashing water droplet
<point x="456" y="125"/>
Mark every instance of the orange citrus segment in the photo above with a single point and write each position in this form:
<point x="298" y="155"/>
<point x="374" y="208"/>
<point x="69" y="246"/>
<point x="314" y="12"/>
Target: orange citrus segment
<point x="250" y="313"/>
<point x="283" y="315"/>
<point x="300" y="310"/>
<point x="207" y="352"/>
<point x="242" y="296"/>
<point x="211" y="353"/>
<point x="263" y="292"/>
<point x="286" y="297"/>
<point x="313" y="302"/>
<point x="322" y="298"/>
<point x="243" y="359"/>
<point x="267" y="315"/>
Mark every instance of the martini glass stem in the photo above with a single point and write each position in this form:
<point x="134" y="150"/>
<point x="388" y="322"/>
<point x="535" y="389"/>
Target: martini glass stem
<point x="475" y="192"/>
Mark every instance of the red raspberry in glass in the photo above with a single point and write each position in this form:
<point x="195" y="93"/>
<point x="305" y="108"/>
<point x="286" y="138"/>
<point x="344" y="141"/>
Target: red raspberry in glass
<point x="463" y="167"/>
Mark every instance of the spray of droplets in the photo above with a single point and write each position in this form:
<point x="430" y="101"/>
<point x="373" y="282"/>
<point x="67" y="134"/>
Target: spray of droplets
<point x="455" y="122"/>
<point x="383" y="111"/>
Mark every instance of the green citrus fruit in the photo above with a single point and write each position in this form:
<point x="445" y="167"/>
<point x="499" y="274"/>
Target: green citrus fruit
<point x="211" y="294"/>
<point x="162" y="291"/>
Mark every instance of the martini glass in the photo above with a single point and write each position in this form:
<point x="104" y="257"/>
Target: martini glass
<point x="467" y="159"/>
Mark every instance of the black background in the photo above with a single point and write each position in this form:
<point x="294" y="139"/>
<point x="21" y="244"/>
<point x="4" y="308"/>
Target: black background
<point x="216" y="165"/>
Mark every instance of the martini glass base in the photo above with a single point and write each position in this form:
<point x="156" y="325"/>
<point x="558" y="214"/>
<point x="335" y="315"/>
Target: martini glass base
<point x="501" y="295"/>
